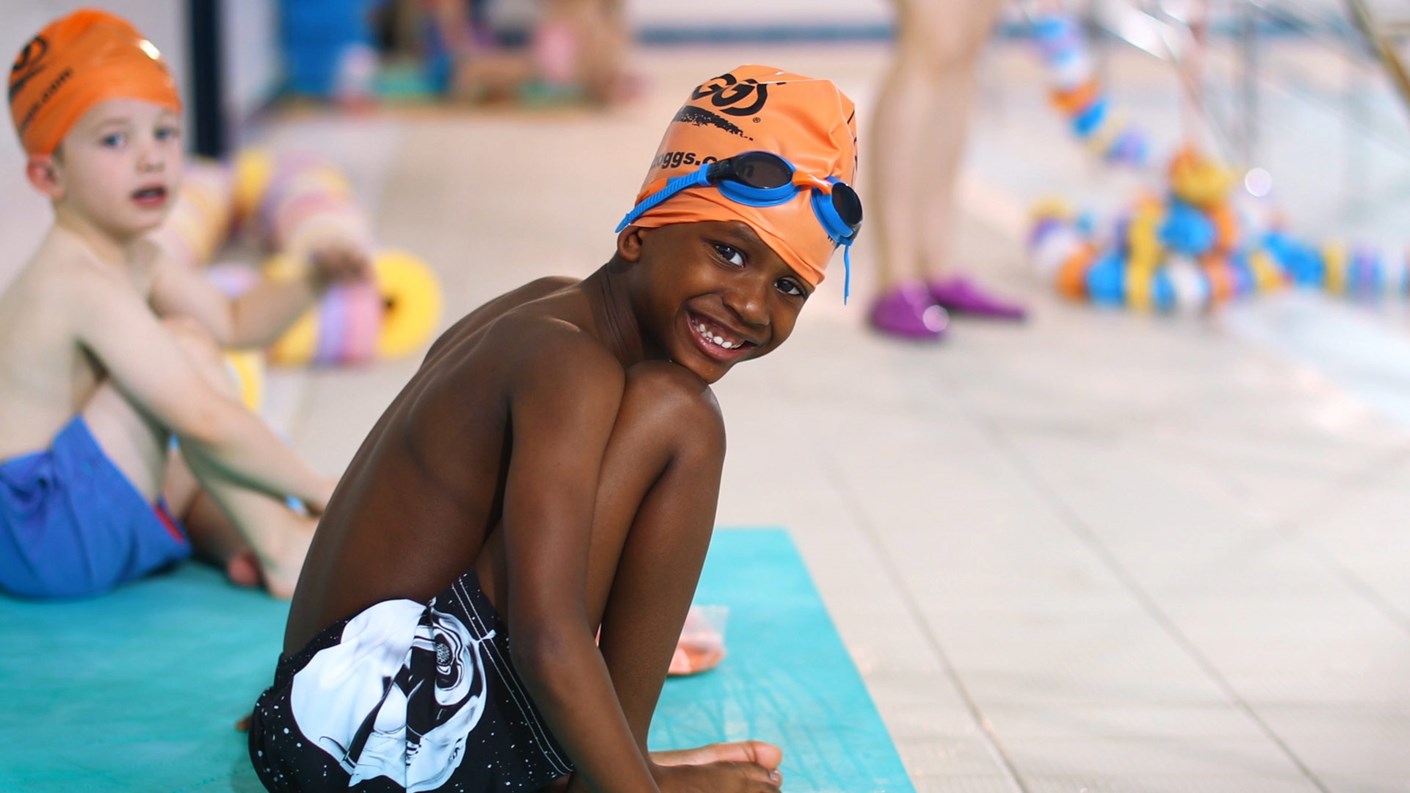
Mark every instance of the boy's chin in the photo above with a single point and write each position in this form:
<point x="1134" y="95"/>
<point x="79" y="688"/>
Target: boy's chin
<point x="130" y="233"/>
<point x="143" y="228"/>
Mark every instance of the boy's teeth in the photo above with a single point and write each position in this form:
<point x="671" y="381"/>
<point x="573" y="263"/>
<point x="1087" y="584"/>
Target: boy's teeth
<point x="717" y="340"/>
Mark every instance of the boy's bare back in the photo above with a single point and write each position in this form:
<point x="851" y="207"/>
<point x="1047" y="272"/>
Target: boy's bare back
<point x="438" y="456"/>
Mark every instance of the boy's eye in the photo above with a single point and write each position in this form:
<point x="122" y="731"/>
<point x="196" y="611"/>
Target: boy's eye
<point x="791" y="288"/>
<point x="729" y="254"/>
<point x="167" y="133"/>
<point x="112" y="139"/>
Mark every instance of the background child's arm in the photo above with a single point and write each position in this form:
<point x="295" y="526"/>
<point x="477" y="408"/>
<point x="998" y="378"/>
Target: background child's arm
<point x="563" y="405"/>
<point x="260" y="316"/>
<point x="146" y="363"/>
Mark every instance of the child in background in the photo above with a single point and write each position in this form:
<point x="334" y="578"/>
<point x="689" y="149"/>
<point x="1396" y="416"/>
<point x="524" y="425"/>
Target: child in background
<point x="577" y="51"/>
<point x="496" y="590"/>
<point x="108" y="351"/>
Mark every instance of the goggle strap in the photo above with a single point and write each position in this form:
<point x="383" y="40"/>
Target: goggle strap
<point x="846" y="272"/>
<point x="673" y="185"/>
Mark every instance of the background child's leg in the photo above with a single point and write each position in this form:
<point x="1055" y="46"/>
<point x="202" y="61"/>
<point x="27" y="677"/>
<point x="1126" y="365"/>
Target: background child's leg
<point x="136" y="445"/>
<point x="140" y="448"/>
<point x="583" y="43"/>
<point x="214" y="537"/>
<point x="245" y="518"/>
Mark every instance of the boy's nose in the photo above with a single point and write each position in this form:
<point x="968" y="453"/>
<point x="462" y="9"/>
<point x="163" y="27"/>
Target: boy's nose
<point x="749" y="300"/>
<point x="151" y="157"/>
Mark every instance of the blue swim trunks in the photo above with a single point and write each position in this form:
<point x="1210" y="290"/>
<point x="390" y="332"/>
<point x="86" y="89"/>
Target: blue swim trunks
<point x="73" y="525"/>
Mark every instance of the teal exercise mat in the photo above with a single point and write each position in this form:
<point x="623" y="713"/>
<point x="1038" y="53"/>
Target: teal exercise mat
<point x="140" y="690"/>
<point x="786" y="677"/>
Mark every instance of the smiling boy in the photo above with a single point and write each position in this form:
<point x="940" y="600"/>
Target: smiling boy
<point x="109" y="350"/>
<point x="552" y="471"/>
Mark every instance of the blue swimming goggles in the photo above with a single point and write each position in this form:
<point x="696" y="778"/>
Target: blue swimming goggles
<point x="764" y="179"/>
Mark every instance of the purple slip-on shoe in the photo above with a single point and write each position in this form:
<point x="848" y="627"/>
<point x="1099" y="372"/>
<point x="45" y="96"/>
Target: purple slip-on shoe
<point x="962" y="296"/>
<point x="906" y="311"/>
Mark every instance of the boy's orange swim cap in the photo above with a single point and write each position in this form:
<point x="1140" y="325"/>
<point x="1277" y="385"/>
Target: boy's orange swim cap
<point x="74" y="63"/>
<point x="807" y="121"/>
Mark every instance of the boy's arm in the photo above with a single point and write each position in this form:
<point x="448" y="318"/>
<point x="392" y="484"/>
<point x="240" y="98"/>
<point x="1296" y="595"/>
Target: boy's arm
<point x="146" y="363"/>
<point x="563" y="404"/>
<point x="260" y="316"/>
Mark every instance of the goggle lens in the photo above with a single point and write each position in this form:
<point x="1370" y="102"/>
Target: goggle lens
<point x="759" y="169"/>
<point x="848" y="205"/>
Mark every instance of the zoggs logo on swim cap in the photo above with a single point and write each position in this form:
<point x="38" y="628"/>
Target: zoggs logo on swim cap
<point x="733" y="97"/>
<point x="28" y="64"/>
<point x="730" y="96"/>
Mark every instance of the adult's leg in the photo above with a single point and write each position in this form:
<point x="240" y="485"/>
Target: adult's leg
<point x="956" y="31"/>
<point x="918" y="132"/>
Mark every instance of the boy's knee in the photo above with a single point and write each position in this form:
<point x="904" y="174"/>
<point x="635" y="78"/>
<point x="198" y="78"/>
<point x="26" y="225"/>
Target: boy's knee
<point x="673" y="405"/>
<point x="191" y="335"/>
<point x="667" y="385"/>
<point x="198" y="344"/>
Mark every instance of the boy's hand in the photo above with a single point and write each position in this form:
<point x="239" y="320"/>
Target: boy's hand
<point x="339" y="263"/>
<point x="720" y="777"/>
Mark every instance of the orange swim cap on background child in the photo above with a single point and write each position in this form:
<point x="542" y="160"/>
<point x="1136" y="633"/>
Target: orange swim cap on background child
<point x="807" y="121"/>
<point x="74" y="63"/>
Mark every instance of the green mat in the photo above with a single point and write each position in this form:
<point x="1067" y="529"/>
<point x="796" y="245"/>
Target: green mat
<point x="140" y="690"/>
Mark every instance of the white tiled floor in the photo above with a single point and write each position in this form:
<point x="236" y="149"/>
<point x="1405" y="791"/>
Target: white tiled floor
<point x="1098" y="552"/>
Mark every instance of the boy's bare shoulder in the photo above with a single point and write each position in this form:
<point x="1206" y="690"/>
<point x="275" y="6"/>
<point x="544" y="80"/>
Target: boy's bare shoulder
<point x="531" y="339"/>
<point x="68" y="278"/>
<point x="538" y="343"/>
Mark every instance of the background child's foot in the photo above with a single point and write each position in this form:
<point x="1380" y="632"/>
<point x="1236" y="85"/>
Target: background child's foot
<point x="279" y="569"/>
<point x="243" y="569"/>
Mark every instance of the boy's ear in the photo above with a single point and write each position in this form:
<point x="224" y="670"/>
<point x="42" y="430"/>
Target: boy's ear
<point x="43" y="173"/>
<point x="629" y="242"/>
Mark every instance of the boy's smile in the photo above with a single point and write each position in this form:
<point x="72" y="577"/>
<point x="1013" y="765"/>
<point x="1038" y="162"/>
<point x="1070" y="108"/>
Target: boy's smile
<point x="715" y="294"/>
<point x="718" y="340"/>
